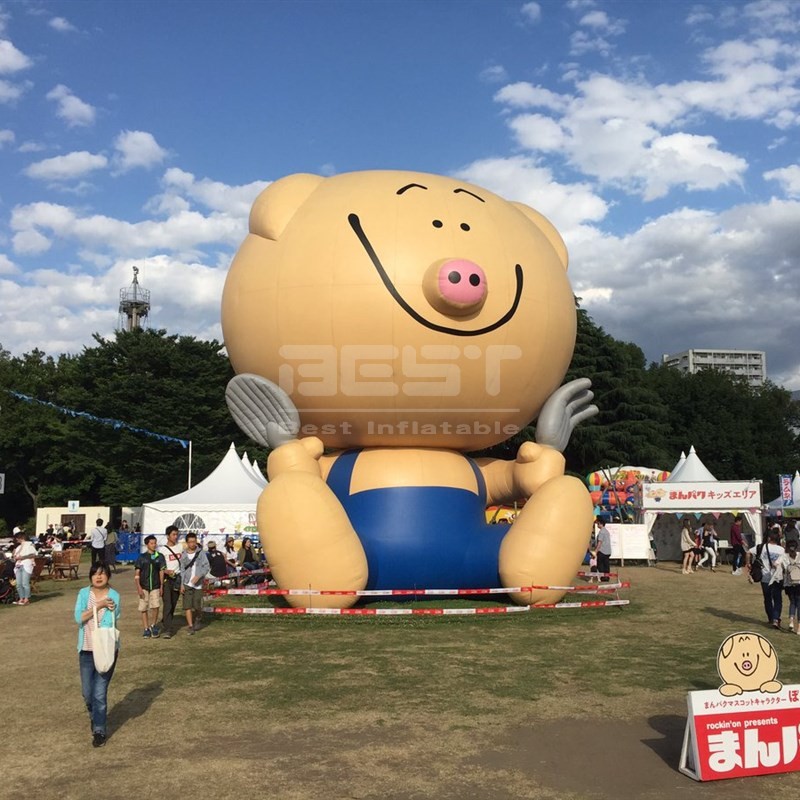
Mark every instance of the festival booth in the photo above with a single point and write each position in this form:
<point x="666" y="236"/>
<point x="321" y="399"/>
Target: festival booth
<point x="222" y="504"/>
<point x="692" y="489"/>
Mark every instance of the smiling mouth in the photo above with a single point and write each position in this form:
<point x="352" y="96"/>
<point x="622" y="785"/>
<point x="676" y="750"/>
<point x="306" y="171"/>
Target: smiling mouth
<point x="355" y="224"/>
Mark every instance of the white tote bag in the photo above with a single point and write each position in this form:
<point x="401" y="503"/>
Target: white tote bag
<point x="104" y="644"/>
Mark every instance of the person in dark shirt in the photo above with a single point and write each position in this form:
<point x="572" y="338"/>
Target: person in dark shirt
<point x="149" y="568"/>
<point x="219" y="567"/>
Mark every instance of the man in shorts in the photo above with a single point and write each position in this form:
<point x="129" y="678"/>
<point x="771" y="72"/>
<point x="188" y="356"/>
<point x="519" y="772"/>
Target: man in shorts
<point x="194" y="568"/>
<point x="149" y="569"/>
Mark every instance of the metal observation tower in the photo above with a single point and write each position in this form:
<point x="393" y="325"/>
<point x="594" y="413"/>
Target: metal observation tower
<point x="134" y="304"/>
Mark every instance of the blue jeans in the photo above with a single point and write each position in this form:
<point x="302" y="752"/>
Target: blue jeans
<point x="94" y="685"/>
<point x="793" y="593"/>
<point x="23" y="584"/>
<point x="773" y="600"/>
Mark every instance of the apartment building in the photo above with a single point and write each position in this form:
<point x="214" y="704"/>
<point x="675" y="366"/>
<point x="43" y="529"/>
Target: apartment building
<point x="748" y="364"/>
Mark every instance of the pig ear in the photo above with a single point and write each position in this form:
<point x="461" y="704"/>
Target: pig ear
<point x="548" y="229"/>
<point x="765" y="646"/>
<point x="276" y="205"/>
<point x="727" y="646"/>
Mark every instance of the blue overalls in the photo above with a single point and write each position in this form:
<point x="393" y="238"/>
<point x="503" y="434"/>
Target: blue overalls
<point x="421" y="536"/>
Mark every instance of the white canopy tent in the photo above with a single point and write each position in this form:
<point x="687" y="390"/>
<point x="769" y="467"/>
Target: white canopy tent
<point x="696" y="491"/>
<point x="224" y="502"/>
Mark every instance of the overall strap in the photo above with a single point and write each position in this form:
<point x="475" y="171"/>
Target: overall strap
<point x="479" y="478"/>
<point x="341" y="472"/>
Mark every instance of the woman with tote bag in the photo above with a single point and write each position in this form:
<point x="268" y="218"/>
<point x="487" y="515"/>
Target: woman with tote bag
<point x="97" y="610"/>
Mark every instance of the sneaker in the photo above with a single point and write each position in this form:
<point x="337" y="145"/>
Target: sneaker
<point x="98" y="740"/>
<point x="167" y="635"/>
<point x="155" y="631"/>
<point x="791" y="624"/>
<point x="145" y="635"/>
<point x="776" y="623"/>
<point x="190" y="631"/>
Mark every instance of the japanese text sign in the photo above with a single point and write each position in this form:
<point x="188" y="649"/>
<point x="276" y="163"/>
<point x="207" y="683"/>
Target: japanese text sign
<point x="751" y="724"/>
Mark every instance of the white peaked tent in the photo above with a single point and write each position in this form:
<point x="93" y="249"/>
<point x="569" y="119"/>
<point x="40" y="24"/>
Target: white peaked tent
<point x="692" y="489"/>
<point x="224" y="501"/>
<point x="690" y="469"/>
<point x="677" y="468"/>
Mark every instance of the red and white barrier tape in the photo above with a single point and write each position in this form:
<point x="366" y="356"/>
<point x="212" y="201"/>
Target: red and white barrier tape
<point x="395" y="612"/>
<point x="605" y="588"/>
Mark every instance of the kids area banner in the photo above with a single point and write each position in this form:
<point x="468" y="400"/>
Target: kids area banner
<point x="787" y="497"/>
<point x="705" y="495"/>
<point x="751" y="724"/>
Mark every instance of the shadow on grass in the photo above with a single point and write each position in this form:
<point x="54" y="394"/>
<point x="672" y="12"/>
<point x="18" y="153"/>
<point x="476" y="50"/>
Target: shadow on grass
<point x="730" y="616"/>
<point x="134" y="704"/>
<point x="667" y="746"/>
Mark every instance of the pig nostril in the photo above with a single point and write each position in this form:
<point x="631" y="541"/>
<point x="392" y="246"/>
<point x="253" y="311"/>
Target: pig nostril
<point x="475" y="279"/>
<point x="454" y="277"/>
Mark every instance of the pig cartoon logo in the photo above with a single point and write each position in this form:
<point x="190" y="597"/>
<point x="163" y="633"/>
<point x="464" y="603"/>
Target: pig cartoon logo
<point x="747" y="662"/>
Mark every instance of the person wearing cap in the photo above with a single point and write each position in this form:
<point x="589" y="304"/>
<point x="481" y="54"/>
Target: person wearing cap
<point x="24" y="561"/>
<point x="216" y="561"/>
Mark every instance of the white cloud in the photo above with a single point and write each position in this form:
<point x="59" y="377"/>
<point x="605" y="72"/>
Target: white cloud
<point x="627" y="132"/>
<point x="692" y="161"/>
<point x="535" y="132"/>
<point x="6" y="137"/>
<point x="494" y="73"/>
<point x="569" y="206"/>
<point x="137" y="149"/>
<point x="184" y="232"/>
<point x="7" y="266"/>
<point x="66" y="168"/>
<point x="11" y="59"/>
<point x="31" y="147"/>
<point x="214" y="195"/>
<point x="600" y="21"/>
<point x="773" y="16"/>
<point x="74" y="111"/>
<point x="10" y="92"/>
<point x="698" y="279"/>
<point x="597" y="28"/>
<point x="30" y="243"/>
<point x="62" y="25"/>
<point x="185" y="297"/>
<point x="526" y="95"/>
<point x="531" y="12"/>
<point x="788" y="178"/>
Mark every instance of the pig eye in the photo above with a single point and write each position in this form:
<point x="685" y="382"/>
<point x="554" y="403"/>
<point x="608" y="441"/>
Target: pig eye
<point x="437" y="223"/>
<point x="464" y="226"/>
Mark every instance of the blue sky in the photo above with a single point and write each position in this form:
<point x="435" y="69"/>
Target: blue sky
<point x="660" y="137"/>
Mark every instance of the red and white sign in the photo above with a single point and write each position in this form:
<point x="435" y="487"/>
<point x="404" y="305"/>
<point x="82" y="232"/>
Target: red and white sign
<point x="703" y="496"/>
<point x="753" y="733"/>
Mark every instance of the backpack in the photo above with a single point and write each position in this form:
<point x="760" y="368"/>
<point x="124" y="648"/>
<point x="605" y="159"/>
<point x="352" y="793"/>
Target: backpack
<point x="793" y="574"/>
<point x="757" y="566"/>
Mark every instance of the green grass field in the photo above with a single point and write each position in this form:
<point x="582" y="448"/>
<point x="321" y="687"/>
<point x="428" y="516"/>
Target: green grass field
<point x="402" y="707"/>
